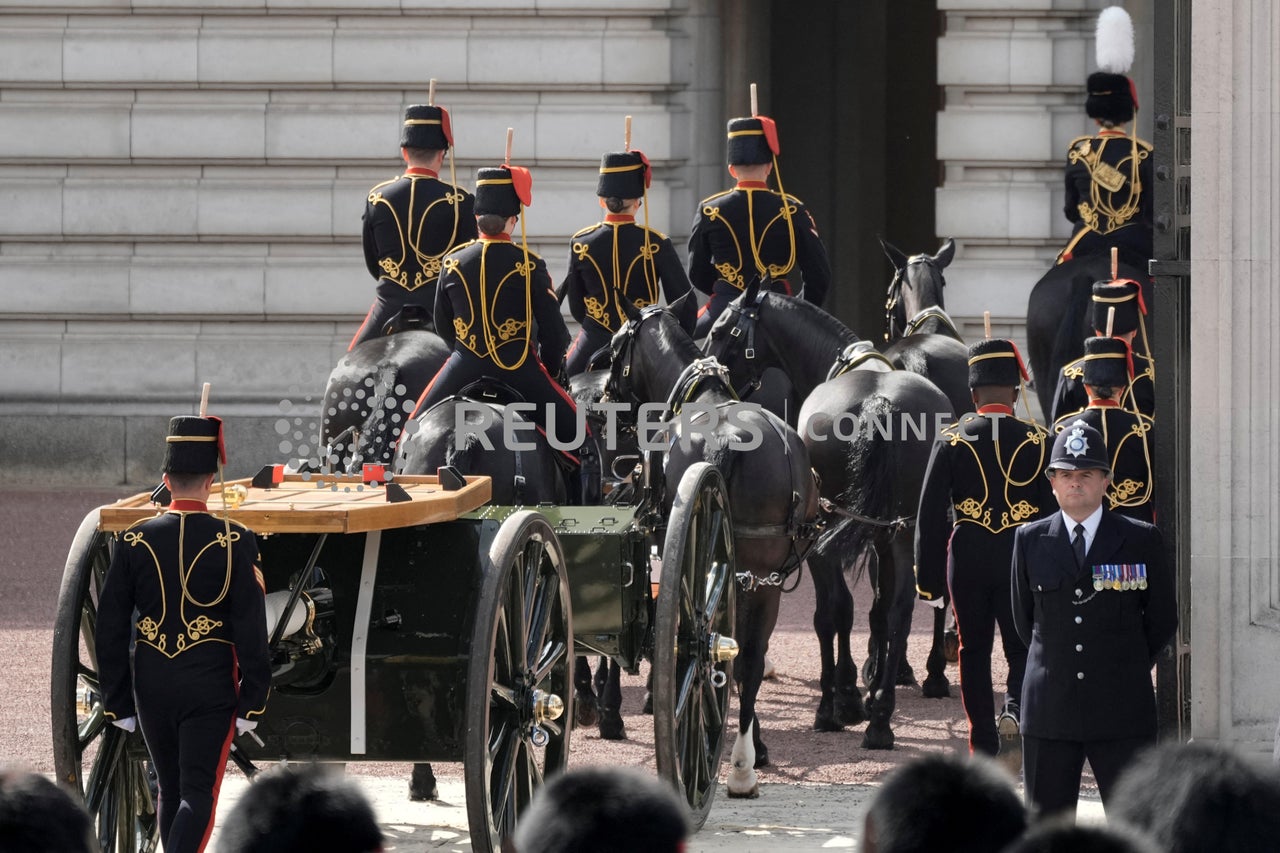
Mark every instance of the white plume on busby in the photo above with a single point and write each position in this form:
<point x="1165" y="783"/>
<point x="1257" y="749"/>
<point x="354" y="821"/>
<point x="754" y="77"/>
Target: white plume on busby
<point x="1114" y="41"/>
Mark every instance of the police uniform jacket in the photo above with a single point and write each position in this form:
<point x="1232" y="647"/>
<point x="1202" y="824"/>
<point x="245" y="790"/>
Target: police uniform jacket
<point x="743" y="233"/>
<point x="1129" y="444"/>
<point x="410" y="224"/>
<point x="988" y="468"/>
<point x="487" y="309"/>
<point x="200" y="617"/>
<point x="1090" y="651"/>
<point x="1138" y="396"/>
<point x="611" y="262"/>
<point x="1109" y="195"/>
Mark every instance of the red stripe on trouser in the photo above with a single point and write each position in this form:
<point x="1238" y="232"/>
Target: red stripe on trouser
<point x="217" y="783"/>
<point x="360" y="331"/>
<point x="555" y="386"/>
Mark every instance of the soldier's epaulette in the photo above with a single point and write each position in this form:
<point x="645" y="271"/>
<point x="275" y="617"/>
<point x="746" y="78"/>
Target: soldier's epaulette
<point x="1078" y="140"/>
<point x="792" y="198"/>
<point x="586" y="230"/>
<point x="377" y="187"/>
<point x="459" y="247"/>
<point x="721" y="194"/>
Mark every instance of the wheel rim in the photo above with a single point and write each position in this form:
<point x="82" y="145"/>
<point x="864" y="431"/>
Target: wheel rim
<point x="526" y="696"/>
<point x="701" y="614"/>
<point x="111" y="768"/>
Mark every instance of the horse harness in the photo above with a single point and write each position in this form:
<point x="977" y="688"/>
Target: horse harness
<point x="895" y="297"/>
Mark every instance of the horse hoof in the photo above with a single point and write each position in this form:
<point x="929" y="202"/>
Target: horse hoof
<point x="906" y="676"/>
<point x="422" y="784"/>
<point x="762" y="758"/>
<point x="585" y="714"/>
<point x="951" y="646"/>
<point x="936" y="688"/>
<point x="826" y="723"/>
<point x="647" y="708"/>
<point x="850" y="710"/>
<point x="611" y="725"/>
<point x="750" y="794"/>
<point x="876" y="738"/>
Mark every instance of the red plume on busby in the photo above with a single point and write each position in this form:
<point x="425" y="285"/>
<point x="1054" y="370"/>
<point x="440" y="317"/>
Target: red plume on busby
<point x="1112" y="95"/>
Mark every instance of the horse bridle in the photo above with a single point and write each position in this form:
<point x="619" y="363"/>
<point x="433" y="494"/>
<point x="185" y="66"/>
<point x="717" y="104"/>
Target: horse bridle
<point x="695" y="374"/>
<point x="744" y="330"/>
<point x="891" y="328"/>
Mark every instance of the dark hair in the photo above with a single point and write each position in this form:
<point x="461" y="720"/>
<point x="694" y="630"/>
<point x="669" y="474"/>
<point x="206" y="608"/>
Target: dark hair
<point x="36" y="816"/>
<point x="1062" y="835"/>
<point x="491" y="224"/>
<point x="603" y="808"/>
<point x="615" y="204"/>
<point x="421" y="155"/>
<point x="184" y="481"/>
<point x="301" y="811"/>
<point x="946" y="802"/>
<point x="1103" y="391"/>
<point x="1199" y="796"/>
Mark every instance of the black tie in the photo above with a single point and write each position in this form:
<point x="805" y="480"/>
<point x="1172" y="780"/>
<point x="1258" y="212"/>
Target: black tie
<point x="1077" y="545"/>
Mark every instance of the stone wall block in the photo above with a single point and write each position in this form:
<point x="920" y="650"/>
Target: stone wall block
<point x="243" y="51"/>
<point x="39" y="287"/>
<point x="49" y="450"/>
<point x="535" y="58"/>
<point x="29" y="367"/>
<point x="31" y="50"/>
<point x="134" y="208"/>
<point x="66" y="132"/>
<point x="30" y="206"/>
<point x="971" y="134"/>
<point x="405" y="55"/>
<point x="131" y="50"/>
<point x="198" y="131"/>
<point x="235" y="207"/>
<point x="195" y="288"/>
<point x="126" y="366"/>
<point x="340" y="287"/>
<point x="973" y="211"/>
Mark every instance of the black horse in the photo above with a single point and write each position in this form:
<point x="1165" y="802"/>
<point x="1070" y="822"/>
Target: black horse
<point x="770" y="484"/>
<point x="920" y="335"/>
<point x="869" y="432"/>
<point x="1057" y="313"/>
<point x="370" y="394"/>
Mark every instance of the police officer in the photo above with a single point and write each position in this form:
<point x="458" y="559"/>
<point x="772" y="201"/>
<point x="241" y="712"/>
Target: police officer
<point x="986" y="468"/>
<point x="200" y="671"/>
<point x="1095" y="603"/>
<point x="493" y="296"/>
<point x="411" y="222"/>
<point x="748" y="232"/>
<point x="618" y="260"/>
<point x="1138" y="392"/>
<point x="1127" y="435"/>
<point x="1108" y="174"/>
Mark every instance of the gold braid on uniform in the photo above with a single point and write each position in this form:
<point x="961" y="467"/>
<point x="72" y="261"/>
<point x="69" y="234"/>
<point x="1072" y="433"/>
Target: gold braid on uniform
<point x="976" y="511"/>
<point x="1108" y="179"/>
<point x="728" y="272"/>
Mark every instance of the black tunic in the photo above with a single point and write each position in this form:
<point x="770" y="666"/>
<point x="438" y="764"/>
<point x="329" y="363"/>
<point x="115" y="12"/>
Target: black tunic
<point x="1109" y="196"/>
<point x="1129" y="447"/>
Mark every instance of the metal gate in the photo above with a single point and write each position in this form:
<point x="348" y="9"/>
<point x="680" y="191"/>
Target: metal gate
<point x="1171" y="333"/>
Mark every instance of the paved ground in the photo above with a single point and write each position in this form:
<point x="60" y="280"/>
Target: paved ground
<point x="811" y="797"/>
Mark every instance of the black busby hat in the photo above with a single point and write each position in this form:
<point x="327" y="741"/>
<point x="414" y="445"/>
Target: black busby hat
<point x="426" y="126"/>
<point x="502" y="190"/>
<point x="752" y="140"/>
<point x="623" y="174"/>
<point x="1112" y="95"/>
<point x="1125" y="295"/>
<point x="995" y="362"/>
<point x="1078" y="447"/>
<point x="1107" y="363"/>
<point x="194" y="445"/>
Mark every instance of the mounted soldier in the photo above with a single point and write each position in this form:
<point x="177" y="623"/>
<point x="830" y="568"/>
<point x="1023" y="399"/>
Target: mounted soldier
<point x="618" y="259"/>
<point x="754" y="232"/>
<point x="1107" y="370"/>
<point x="1137" y="392"/>
<point x="987" y="468"/>
<point x="492" y="298"/>
<point x="413" y="221"/>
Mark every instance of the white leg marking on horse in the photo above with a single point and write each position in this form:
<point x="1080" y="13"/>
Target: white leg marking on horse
<point x="770" y="671"/>
<point x="742" y="780"/>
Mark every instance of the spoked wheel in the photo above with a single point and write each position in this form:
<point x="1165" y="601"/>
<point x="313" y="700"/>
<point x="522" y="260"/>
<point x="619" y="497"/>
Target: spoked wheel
<point x="519" y="679"/>
<point x="693" y="644"/>
<point x="110" y="767"/>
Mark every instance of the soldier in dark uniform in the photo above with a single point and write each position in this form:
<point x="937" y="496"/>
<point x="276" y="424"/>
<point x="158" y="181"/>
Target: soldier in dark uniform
<point x="1108" y="175"/>
<point x="410" y="223"/>
<point x="1095" y="603"/>
<point x="619" y="260"/>
<point x="1138" y="393"/>
<point x="748" y="232"/>
<point x="200" y="671"/>
<point x="1127" y="434"/>
<point x="494" y="296"/>
<point x="986" y="468"/>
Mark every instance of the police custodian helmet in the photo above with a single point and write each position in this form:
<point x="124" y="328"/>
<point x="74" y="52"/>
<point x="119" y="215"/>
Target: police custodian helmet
<point x="1079" y="447"/>
<point x="194" y="445"/>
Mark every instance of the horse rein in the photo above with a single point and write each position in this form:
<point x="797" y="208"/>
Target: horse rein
<point x="895" y="297"/>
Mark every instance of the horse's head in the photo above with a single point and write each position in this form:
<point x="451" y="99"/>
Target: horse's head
<point x="917" y="285"/>
<point x="646" y="354"/>
<point x="732" y="340"/>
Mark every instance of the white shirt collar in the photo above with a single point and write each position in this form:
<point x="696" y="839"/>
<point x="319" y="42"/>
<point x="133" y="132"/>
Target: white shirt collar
<point x="1090" y="526"/>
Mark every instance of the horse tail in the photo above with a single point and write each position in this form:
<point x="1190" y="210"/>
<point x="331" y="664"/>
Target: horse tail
<point x="871" y="467"/>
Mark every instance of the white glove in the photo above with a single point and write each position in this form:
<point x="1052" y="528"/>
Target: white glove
<point x="128" y="723"/>
<point x="243" y="725"/>
<point x="935" y="603"/>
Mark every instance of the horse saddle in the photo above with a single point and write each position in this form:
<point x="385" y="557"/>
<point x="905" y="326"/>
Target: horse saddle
<point x="411" y="317"/>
